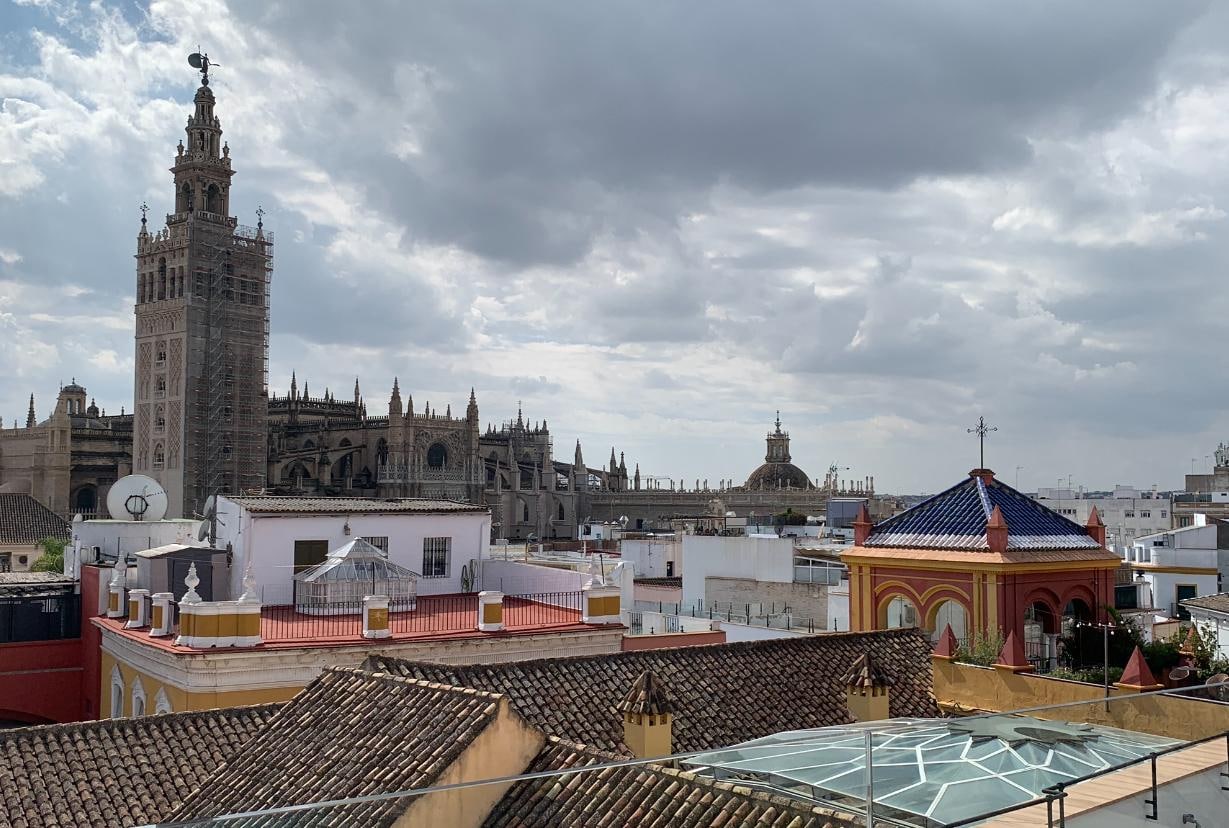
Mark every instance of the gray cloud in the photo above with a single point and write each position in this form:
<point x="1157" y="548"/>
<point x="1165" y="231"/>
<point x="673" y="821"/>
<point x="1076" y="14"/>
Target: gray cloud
<point x="657" y="224"/>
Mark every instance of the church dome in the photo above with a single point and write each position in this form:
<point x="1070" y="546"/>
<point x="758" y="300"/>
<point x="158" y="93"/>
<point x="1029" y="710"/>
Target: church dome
<point x="778" y="472"/>
<point x="779" y="476"/>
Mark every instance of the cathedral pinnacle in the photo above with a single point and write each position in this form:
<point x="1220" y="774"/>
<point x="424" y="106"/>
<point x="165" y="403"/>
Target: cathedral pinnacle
<point x="30" y="414"/>
<point x="294" y="386"/>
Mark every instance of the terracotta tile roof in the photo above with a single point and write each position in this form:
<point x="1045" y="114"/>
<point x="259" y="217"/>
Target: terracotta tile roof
<point x="649" y="795"/>
<point x="675" y="582"/>
<point x="115" y="772"/>
<point x="956" y="519"/>
<point x="349" y="733"/>
<point x="276" y="504"/>
<point x="722" y="694"/>
<point x="24" y="520"/>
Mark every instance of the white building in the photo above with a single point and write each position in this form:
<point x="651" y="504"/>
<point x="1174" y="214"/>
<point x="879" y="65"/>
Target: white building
<point x="653" y="556"/>
<point x="1128" y="513"/>
<point x="441" y="540"/>
<point x="95" y="541"/>
<point x="765" y="579"/>
<point x="1177" y="564"/>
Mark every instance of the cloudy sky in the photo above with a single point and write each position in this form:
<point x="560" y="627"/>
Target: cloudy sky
<point x="657" y="222"/>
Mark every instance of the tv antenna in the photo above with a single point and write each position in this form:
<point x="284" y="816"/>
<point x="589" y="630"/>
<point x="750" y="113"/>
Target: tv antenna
<point x="200" y="60"/>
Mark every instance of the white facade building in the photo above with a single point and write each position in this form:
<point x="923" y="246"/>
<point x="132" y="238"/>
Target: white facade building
<point x="1177" y="564"/>
<point x="766" y="580"/>
<point x="1128" y="513"/>
<point x="94" y="541"/>
<point x="658" y="556"/>
<point x="279" y="536"/>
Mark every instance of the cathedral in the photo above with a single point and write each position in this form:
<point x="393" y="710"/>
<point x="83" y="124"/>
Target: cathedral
<point x="204" y="422"/>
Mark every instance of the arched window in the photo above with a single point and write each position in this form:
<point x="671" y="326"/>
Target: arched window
<point x="309" y="444"/>
<point x="562" y="514"/>
<point x="86" y="499"/>
<point x="159" y="419"/>
<point x="161" y="703"/>
<point x="138" y="698"/>
<point x="213" y="199"/>
<point x="160" y="386"/>
<point x="381" y="451"/>
<point x="159" y="456"/>
<point x="117" y="693"/>
<point x="161" y="357"/>
<point x="185" y="198"/>
<point x="162" y="278"/>
<point x="524" y="511"/>
<point x="437" y="456"/>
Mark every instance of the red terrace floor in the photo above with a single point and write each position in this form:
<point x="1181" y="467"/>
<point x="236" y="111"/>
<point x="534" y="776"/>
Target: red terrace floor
<point x="436" y="618"/>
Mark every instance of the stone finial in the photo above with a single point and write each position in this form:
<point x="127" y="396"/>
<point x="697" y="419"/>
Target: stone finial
<point x="647" y="697"/>
<point x="862" y="526"/>
<point x="1136" y="675"/>
<point x="119" y="572"/>
<point x="1012" y="657"/>
<point x="191" y="581"/>
<point x="948" y="645"/>
<point x="1191" y="642"/>
<point x="996" y="531"/>
<point x="30" y="421"/>
<point x="1095" y="526"/>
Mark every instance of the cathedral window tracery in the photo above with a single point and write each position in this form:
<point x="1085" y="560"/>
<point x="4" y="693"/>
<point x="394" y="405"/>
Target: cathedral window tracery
<point x="437" y="456"/>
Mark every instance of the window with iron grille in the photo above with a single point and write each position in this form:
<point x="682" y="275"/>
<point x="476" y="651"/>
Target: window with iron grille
<point x="380" y="543"/>
<point x="436" y="557"/>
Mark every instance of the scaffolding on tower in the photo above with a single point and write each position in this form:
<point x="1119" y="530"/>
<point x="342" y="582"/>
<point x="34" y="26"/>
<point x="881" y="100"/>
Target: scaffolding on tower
<point x="229" y="415"/>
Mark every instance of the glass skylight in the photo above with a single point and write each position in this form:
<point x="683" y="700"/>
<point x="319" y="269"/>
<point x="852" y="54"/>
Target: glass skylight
<point x="935" y="771"/>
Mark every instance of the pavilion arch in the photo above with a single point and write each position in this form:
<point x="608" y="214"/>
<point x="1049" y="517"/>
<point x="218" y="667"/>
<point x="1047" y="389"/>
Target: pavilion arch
<point x="1043" y="605"/>
<point x="896" y="604"/>
<point x="117" y="693"/>
<point x="1082" y="594"/>
<point x="953" y="611"/>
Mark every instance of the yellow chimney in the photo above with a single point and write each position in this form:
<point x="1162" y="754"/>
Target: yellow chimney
<point x="648" y="718"/>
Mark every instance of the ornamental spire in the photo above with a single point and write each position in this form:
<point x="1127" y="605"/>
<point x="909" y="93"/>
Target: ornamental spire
<point x="30" y="414"/>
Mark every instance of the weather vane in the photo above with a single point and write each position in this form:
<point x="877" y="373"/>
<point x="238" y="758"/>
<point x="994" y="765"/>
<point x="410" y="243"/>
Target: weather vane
<point x="144" y="210"/>
<point x="200" y="60"/>
<point x="981" y="431"/>
<point x="260" y="216"/>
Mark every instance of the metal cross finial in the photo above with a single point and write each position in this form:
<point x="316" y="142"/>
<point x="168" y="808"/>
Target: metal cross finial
<point x="981" y="431"/>
<point x="144" y="210"/>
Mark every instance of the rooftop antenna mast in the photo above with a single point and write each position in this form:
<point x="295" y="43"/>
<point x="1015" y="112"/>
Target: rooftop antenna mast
<point x="200" y="61"/>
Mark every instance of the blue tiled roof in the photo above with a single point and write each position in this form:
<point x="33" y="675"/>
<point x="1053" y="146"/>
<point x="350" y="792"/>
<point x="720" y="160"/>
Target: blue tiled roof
<point x="956" y="519"/>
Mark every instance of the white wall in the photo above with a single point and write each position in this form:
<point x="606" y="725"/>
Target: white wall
<point x="760" y="559"/>
<point x="268" y="542"/>
<point x="519" y="578"/>
<point x="126" y="536"/>
<point x="650" y="555"/>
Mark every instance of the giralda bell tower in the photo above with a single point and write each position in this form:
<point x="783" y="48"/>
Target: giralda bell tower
<point x="202" y="330"/>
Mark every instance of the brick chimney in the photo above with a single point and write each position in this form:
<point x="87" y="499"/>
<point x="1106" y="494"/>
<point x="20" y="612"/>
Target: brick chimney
<point x="648" y="718"/>
<point x="862" y="526"/>
<point x="866" y="691"/>
<point x="996" y="531"/>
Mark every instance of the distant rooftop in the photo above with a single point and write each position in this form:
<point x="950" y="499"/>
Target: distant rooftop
<point x="24" y="520"/>
<point x="279" y="504"/>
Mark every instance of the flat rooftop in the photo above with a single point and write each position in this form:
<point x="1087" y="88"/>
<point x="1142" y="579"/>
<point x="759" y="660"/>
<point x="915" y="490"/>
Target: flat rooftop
<point x="435" y="618"/>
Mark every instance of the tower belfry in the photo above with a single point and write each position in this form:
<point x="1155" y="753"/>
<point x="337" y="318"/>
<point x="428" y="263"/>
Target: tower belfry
<point x="202" y="328"/>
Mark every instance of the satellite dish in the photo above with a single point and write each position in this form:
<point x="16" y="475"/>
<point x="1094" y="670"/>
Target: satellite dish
<point x="194" y="60"/>
<point x="136" y="497"/>
<point x="1219" y="685"/>
<point x="623" y="521"/>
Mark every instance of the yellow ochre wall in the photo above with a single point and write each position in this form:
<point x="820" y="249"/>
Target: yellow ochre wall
<point x="986" y="688"/>
<point x="181" y="700"/>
